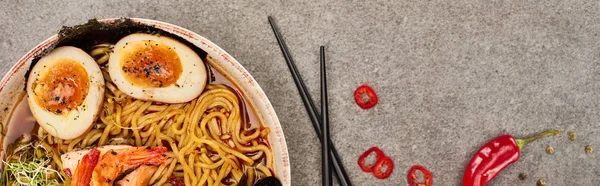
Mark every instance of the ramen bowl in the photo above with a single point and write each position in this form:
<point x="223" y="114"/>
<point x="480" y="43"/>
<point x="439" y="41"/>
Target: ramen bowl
<point x="16" y="119"/>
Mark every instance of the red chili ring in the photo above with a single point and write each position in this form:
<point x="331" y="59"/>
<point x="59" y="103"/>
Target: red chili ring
<point x="361" y="160"/>
<point x="412" y="177"/>
<point x="371" y="100"/>
<point x="379" y="165"/>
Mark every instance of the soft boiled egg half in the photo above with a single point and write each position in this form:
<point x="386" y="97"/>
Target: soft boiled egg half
<point x="156" y="68"/>
<point x="65" y="90"/>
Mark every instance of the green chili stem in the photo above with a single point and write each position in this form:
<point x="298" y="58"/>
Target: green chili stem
<point x="523" y="142"/>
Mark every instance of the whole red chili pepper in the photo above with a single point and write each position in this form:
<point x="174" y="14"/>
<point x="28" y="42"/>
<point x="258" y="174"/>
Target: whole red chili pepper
<point x="494" y="156"/>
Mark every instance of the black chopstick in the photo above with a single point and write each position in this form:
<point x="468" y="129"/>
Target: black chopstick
<point x="325" y="156"/>
<point x="338" y="167"/>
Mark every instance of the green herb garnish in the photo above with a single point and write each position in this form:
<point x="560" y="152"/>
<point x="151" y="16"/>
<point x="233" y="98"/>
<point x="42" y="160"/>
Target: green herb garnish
<point x="22" y="167"/>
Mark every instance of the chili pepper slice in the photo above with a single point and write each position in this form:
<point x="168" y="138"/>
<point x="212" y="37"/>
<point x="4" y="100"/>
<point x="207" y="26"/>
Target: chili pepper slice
<point x="174" y="181"/>
<point x="412" y="177"/>
<point x="365" y="102"/>
<point x="67" y="171"/>
<point x="377" y="169"/>
<point x="361" y="159"/>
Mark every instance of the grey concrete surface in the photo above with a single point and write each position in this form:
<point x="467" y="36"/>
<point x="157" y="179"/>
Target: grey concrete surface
<point x="451" y="75"/>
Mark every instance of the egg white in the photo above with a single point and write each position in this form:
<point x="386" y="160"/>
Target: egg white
<point x="73" y="123"/>
<point x="187" y="87"/>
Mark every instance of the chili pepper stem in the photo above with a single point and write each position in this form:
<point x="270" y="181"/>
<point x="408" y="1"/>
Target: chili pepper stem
<point x="523" y="142"/>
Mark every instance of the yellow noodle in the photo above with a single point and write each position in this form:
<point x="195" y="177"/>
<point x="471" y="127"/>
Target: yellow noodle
<point x="169" y="172"/>
<point x="250" y="172"/>
<point x="264" y="170"/>
<point x="191" y="162"/>
<point x="257" y="156"/>
<point x="100" y="51"/>
<point x="160" y="171"/>
<point x="105" y="133"/>
<point x="178" y="168"/>
<point x="186" y="179"/>
<point x="198" y="173"/>
<point x="117" y="121"/>
<point x="237" y="174"/>
<point x="254" y="135"/>
<point x="71" y="145"/>
<point x="210" y="166"/>
<point x="222" y="172"/>
<point x="178" y="174"/>
<point x="134" y="124"/>
<point x="204" y="177"/>
<point x="209" y="179"/>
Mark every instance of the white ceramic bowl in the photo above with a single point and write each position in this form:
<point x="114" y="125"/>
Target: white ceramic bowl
<point x="13" y="83"/>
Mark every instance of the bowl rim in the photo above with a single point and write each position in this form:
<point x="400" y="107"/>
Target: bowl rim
<point x="248" y="85"/>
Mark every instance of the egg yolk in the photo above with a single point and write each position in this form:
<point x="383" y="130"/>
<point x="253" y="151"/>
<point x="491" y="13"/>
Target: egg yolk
<point x="61" y="85"/>
<point x="150" y="63"/>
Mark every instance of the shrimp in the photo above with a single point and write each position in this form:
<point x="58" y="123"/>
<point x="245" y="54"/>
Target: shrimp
<point x="139" y="177"/>
<point x="116" y="163"/>
<point x="83" y="172"/>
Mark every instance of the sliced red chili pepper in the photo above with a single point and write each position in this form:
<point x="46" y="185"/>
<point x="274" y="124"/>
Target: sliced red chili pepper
<point x="365" y="97"/>
<point x="165" y="143"/>
<point x="67" y="171"/>
<point x="366" y="167"/>
<point x="389" y="168"/>
<point x="412" y="178"/>
<point x="174" y="181"/>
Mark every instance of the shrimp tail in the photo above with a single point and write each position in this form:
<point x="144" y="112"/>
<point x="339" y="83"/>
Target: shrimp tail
<point x="83" y="172"/>
<point x="147" y="156"/>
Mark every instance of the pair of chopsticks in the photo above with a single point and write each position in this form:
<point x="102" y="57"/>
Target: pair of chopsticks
<point x="329" y="153"/>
